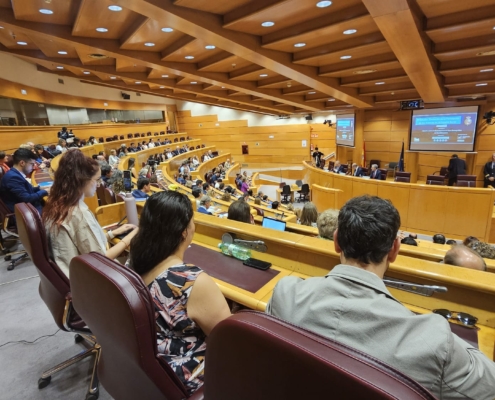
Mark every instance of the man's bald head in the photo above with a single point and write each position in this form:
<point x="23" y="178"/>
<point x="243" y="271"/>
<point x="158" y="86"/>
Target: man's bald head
<point x="462" y="256"/>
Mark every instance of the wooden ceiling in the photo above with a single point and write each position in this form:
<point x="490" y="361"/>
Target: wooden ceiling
<point x="349" y="54"/>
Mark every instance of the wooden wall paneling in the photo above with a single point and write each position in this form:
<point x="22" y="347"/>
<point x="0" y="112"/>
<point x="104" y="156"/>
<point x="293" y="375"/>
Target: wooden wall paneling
<point x="430" y="204"/>
<point x="324" y="198"/>
<point x="361" y="187"/>
<point x="398" y="194"/>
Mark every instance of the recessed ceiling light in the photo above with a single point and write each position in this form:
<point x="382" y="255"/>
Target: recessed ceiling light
<point x="162" y="87"/>
<point x="60" y="67"/>
<point x="167" y="30"/>
<point x="62" y="52"/>
<point x="189" y="57"/>
<point x="486" y="53"/>
<point x="223" y="87"/>
<point x="22" y="43"/>
<point x="209" y="47"/>
<point x="164" y="76"/>
<point x="364" y="71"/>
<point x="345" y="57"/>
<point x="263" y="75"/>
<point x="311" y="92"/>
<point x="331" y="99"/>
<point x="115" y="8"/>
<point x="349" y="31"/>
<point x="267" y="24"/>
<point x="379" y="83"/>
<point x="487" y="70"/>
<point x="46" y="11"/>
<point x="300" y="45"/>
<point x="481" y="84"/>
<point x="86" y="72"/>
<point x="102" y="30"/>
<point x="1" y="27"/>
<point x="194" y="83"/>
<point x="323" y="4"/>
<point x="138" y="83"/>
<point x="113" y="77"/>
<point x="149" y="44"/>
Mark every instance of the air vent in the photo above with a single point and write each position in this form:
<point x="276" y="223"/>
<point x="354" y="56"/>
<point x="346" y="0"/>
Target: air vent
<point x="61" y="81"/>
<point x="97" y="56"/>
<point x="138" y="94"/>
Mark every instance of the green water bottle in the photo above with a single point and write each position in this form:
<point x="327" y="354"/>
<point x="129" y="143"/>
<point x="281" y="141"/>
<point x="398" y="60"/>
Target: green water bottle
<point x="234" y="250"/>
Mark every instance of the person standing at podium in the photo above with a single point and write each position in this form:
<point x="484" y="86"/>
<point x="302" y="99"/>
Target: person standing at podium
<point x="457" y="166"/>
<point x="489" y="172"/>
<point x="317" y="155"/>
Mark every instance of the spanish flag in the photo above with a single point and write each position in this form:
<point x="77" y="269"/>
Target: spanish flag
<point x="363" y="155"/>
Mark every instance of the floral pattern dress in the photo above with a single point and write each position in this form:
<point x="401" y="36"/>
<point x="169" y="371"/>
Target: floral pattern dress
<point x="181" y="342"/>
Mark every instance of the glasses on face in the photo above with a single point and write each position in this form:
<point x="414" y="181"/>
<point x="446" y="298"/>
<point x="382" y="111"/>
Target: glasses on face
<point x="464" y="318"/>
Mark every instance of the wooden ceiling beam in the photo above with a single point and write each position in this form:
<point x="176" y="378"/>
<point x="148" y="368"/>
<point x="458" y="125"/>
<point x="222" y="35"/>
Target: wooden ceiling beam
<point x="373" y="77"/>
<point x="245" y="71"/>
<point x="209" y="27"/>
<point x="387" y="88"/>
<point x="460" y="20"/>
<point x="473" y="91"/>
<point x="400" y="25"/>
<point x="468" y="63"/>
<point x="367" y="63"/>
<point x="276" y="80"/>
<point x="133" y="29"/>
<point x="248" y="10"/>
<point x="299" y="89"/>
<point x="487" y="77"/>
<point x="392" y="98"/>
<point x="214" y="60"/>
<point x="472" y="43"/>
<point x="180" y="43"/>
<point x="111" y="48"/>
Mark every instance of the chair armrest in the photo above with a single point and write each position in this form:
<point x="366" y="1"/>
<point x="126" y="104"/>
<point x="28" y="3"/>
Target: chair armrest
<point x="197" y="395"/>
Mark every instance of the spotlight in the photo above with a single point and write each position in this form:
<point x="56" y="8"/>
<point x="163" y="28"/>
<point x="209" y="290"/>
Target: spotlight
<point x="329" y="122"/>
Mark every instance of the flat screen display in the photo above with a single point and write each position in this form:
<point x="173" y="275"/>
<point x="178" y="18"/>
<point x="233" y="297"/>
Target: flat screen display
<point x="345" y="130"/>
<point x="444" y="129"/>
<point x="273" y="224"/>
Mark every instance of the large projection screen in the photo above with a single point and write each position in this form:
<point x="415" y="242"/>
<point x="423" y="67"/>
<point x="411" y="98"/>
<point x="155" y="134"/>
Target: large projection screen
<point x="444" y="129"/>
<point x="345" y="130"/>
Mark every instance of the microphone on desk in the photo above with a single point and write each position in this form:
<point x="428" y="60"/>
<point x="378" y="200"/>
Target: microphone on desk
<point x="423" y="290"/>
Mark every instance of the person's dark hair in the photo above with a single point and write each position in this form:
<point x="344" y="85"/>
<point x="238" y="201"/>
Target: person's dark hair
<point x="199" y="182"/>
<point x="410" y="241"/>
<point x="240" y="211"/>
<point x="454" y="156"/>
<point x="2" y="155"/>
<point x="469" y="239"/>
<point x="94" y="156"/>
<point x="367" y="228"/>
<point x="24" y="155"/>
<point x="206" y="185"/>
<point x="196" y="192"/>
<point x="100" y="153"/>
<point x="131" y="163"/>
<point x="451" y="241"/>
<point x="275" y="205"/>
<point x="174" y="211"/>
<point x="413" y="235"/>
<point x="250" y="192"/>
<point x="221" y="186"/>
<point x="142" y="182"/>
<point x="439" y="238"/>
<point x="73" y="173"/>
<point x="105" y="169"/>
<point x="265" y="197"/>
<point x="91" y="138"/>
<point x="38" y="147"/>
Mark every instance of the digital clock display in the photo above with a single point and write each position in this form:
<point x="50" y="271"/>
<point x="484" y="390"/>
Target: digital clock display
<point x="411" y="105"/>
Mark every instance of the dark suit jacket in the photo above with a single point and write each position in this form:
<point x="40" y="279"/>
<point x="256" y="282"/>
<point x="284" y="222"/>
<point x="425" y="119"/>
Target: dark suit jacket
<point x="358" y="172"/>
<point x="377" y="174"/>
<point x="456" y="167"/>
<point x="341" y="169"/>
<point x="14" y="188"/>
<point x="489" y="172"/>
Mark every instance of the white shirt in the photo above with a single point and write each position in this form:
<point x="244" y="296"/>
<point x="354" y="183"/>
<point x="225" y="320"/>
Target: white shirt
<point x="60" y="148"/>
<point x="151" y="145"/>
<point x="113" y="160"/>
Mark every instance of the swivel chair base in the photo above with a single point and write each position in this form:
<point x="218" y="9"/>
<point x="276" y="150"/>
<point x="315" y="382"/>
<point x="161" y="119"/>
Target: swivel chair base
<point x="93" y="390"/>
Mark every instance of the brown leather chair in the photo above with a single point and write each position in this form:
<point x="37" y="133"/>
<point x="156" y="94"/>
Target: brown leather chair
<point x="377" y="162"/>
<point x="286" y="194"/>
<point x="271" y="359"/>
<point x="117" y="305"/>
<point x="130" y="136"/>
<point x="384" y="173"/>
<point x="101" y="140"/>
<point x="303" y="193"/>
<point x="8" y="226"/>
<point x="100" y="193"/>
<point x="119" y="198"/>
<point x="109" y="196"/>
<point x="435" y="180"/>
<point x="259" y="211"/>
<point x="55" y="291"/>
<point x="137" y="135"/>
<point x="402" y="176"/>
<point x="466" y="180"/>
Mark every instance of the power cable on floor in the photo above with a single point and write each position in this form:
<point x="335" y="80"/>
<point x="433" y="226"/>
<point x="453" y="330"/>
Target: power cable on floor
<point x="28" y="342"/>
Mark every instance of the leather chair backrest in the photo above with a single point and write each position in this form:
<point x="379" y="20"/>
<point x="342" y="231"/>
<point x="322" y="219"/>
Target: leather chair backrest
<point x="129" y="135"/>
<point x="435" y="180"/>
<point x="384" y="174"/>
<point x="403" y="174"/>
<point x="100" y="193"/>
<point x="54" y="285"/>
<point x="444" y="170"/>
<point x="100" y="140"/>
<point x="404" y="179"/>
<point x="109" y="196"/>
<point x="118" y="308"/>
<point x="286" y="190"/>
<point x="259" y="211"/>
<point x="469" y="178"/>
<point x="276" y="360"/>
<point x="136" y="135"/>
<point x="305" y="188"/>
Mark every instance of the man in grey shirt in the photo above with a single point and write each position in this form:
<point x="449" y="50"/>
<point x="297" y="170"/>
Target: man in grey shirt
<point x="352" y="305"/>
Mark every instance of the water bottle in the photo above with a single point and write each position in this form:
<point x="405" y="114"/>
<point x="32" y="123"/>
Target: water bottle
<point x="234" y="250"/>
<point x="131" y="209"/>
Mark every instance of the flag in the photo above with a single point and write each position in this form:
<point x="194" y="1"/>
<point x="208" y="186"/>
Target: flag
<point x="400" y="167"/>
<point x="363" y="155"/>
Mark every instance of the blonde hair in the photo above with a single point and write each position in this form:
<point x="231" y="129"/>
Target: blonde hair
<point x="327" y="223"/>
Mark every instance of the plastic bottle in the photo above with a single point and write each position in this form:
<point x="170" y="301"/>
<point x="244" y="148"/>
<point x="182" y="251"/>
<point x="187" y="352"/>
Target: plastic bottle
<point x="234" y="250"/>
<point x="131" y="209"/>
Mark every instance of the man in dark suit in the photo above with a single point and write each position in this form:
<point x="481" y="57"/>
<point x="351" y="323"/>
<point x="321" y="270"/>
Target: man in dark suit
<point x="489" y="172"/>
<point x="338" y="167"/>
<point x="357" y="170"/>
<point x="317" y="155"/>
<point x="456" y="167"/>
<point x="14" y="187"/>
<point x="375" y="172"/>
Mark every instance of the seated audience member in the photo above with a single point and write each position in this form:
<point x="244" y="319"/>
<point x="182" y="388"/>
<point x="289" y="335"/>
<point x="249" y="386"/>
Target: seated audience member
<point x="439" y="238"/>
<point x="257" y="201"/>
<point x="76" y="143"/>
<point x="38" y="150"/>
<point x="14" y="187"/>
<point x="375" y="172"/>
<point x="352" y="305"/>
<point x="132" y="148"/>
<point x="462" y="256"/>
<point x="309" y="215"/>
<point x="61" y="146"/>
<point x="227" y="164"/>
<point x="327" y="224"/>
<point x="91" y="141"/>
<point x="204" y="205"/>
<point x="64" y="134"/>
<point x="275" y="205"/>
<point x="240" y="211"/>
<point x="131" y="166"/>
<point x="116" y="183"/>
<point x="413" y="235"/>
<point x="71" y="227"/>
<point x="245" y="197"/>
<point x="469" y="239"/>
<point x="181" y="180"/>
<point x="113" y="160"/>
<point x="338" y="167"/>
<point x="206" y="188"/>
<point x="143" y="189"/>
<point x="451" y="241"/>
<point x="483" y="249"/>
<point x="187" y="310"/>
<point x="197" y="192"/>
<point x="102" y="153"/>
<point x="3" y="162"/>
<point x="409" y="241"/>
<point x="101" y="160"/>
<point x="106" y="173"/>
<point x="123" y="151"/>
<point x="357" y="170"/>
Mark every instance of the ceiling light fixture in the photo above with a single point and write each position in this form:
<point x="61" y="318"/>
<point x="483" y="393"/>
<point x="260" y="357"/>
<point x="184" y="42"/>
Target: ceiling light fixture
<point x="162" y="87"/>
<point x="267" y="24"/>
<point x="149" y="44"/>
<point x="115" y="8"/>
<point x="364" y="71"/>
<point x="323" y="4"/>
<point x="62" y="52"/>
<point x="331" y="99"/>
<point x="194" y="83"/>
<point x="209" y="47"/>
<point x="1" y="27"/>
<point x="164" y="76"/>
<point x="138" y="83"/>
<point x="300" y="45"/>
<point x="349" y="31"/>
<point x="60" y="67"/>
<point x="311" y="92"/>
<point x="86" y="72"/>
<point x="168" y="30"/>
<point x="345" y="57"/>
<point x="486" y="53"/>
<point x="379" y="83"/>
<point x="481" y="84"/>
<point x="263" y="75"/>
<point x="487" y="70"/>
<point x="46" y="11"/>
<point x="113" y="77"/>
<point x="103" y="30"/>
<point x="189" y="57"/>
<point x="223" y="87"/>
<point x="22" y="43"/>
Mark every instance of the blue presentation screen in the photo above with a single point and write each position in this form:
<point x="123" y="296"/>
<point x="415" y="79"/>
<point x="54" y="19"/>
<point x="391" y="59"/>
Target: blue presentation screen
<point x="345" y="130"/>
<point x="444" y="129"/>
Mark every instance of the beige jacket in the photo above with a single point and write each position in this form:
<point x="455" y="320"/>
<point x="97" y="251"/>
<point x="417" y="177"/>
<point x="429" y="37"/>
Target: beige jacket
<point x="79" y="234"/>
<point x="353" y="306"/>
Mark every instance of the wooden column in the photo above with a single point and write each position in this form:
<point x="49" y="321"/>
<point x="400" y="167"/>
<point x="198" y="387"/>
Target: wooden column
<point x="411" y="161"/>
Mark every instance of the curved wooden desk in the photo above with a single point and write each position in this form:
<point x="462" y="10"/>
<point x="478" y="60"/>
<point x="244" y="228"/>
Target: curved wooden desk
<point x="456" y="212"/>
<point x="206" y="166"/>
